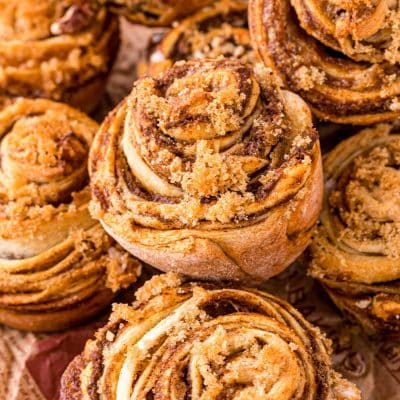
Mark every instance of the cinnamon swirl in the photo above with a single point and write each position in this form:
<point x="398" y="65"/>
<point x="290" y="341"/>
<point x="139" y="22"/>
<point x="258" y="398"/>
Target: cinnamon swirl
<point x="209" y="171"/>
<point x="202" y="341"/>
<point x="341" y="56"/>
<point x="154" y="12"/>
<point x="61" y="50"/>
<point x="355" y="250"/>
<point x="213" y="32"/>
<point x="57" y="265"/>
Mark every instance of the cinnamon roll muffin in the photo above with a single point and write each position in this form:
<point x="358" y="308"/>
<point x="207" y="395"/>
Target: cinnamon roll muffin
<point x="213" y="32"/>
<point x="210" y="171"/>
<point x="183" y="340"/>
<point x="61" y="50"/>
<point x="341" y="56"/>
<point x="154" y="12"/>
<point x="356" y="249"/>
<point x="57" y="265"/>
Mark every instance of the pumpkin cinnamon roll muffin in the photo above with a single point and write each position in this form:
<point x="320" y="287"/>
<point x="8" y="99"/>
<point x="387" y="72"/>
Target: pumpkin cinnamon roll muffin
<point x="213" y="32"/>
<point x="341" y="56"/>
<point x="61" y="50"/>
<point x="209" y="170"/>
<point x="356" y="249"/>
<point x="154" y="12"/>
<point x="190" y="340"/>
<point x="57" y="265"/>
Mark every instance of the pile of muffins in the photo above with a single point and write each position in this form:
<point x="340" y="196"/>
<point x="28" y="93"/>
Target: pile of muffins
<point x="210" y="170"/>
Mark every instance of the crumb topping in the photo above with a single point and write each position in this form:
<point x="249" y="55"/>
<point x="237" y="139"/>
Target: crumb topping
<point x="367" y="199"/>
<point x="213" y="173"/>
<point x="202" y="97"/>
<point x="395" y="104"/>
<point x="38" y="154"/>
<point x="46" y="141"/>
<point x="157" y="284"/>
<point x="122" y="269"/>
<point x="43" y="172"/>
<point x="308" y="77"/>
<point x="225" y="40"/>
<point x="213" y="139"/>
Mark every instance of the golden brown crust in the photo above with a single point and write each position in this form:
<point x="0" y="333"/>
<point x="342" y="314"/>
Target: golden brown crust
<point x="154" y="12"/>
<point x="213" y="32"/>
<point x="342" y="79"/>
<point x="365" y="30"/>
<point x="61" y="50"/>
<point x="202" y="341"/>
<point x="58" y="320"/>
<point x="356" y="248"/>
<point x="57" y="265"/>
<point x="209" y="171"/>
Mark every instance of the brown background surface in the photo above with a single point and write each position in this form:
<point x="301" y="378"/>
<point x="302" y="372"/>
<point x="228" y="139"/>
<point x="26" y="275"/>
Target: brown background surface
<point x="31" y="365"/>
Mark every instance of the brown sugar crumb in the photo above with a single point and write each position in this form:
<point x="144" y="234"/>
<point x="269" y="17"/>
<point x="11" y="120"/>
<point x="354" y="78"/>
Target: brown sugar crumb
<point x="395" y="105"/>
<point x="266" y="76"/>
<point x="157" y="284"/>
<point x="123" y="312"/>
<point x="199" y="98"/>
<point x="392" y="53"/>
<point x="52" y="145"/>
<point x="189" y="212"/>
<point x="371" y="195"/>
<point x="301" y="141"/>
<point x="110" y="336"/>
<point x="307" y="77"/>
<point x="268" y="177"/>
<point x="220" y="42"/>
<point x="192" y="319"/>
<point x="213" y="173"/>
<point x="230" y="206"/>
<point x="122" y="269"/>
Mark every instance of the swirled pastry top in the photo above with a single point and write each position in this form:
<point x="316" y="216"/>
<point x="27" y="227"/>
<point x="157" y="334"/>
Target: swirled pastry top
<point x="208" y="144"/>
<point x="155" y="12"/>
<point x="29" y="20"/>
<point x="57" y="264"/>
<point x="50" y="46"/>
<point x="361" y="216"/>
<point x="344" y="79"/>
<point x="212" y="32"/>
<point x="43" y="178"/>
<point x="200" y="341"/>
<point x="364" y="30"/>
